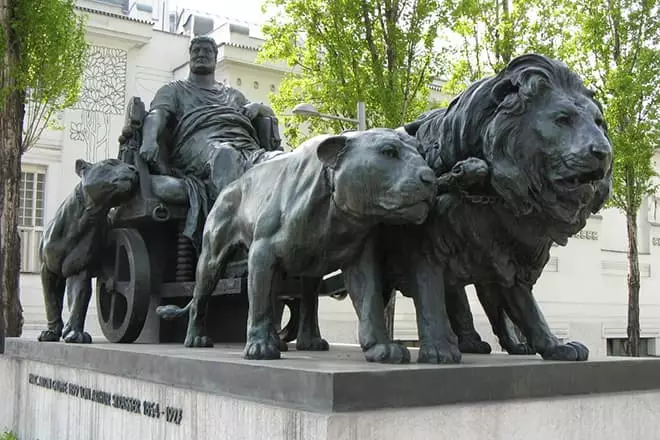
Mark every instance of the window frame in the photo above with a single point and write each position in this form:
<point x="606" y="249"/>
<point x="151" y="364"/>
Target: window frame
<point x="31" y="227"/>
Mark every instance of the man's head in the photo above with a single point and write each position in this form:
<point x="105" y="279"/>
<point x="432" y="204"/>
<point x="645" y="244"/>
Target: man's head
<point x="203" y="55"/>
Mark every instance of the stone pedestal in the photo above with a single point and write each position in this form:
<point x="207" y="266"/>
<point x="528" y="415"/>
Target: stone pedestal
<point x="107" y="391"/>
<point x="229" y="314"/>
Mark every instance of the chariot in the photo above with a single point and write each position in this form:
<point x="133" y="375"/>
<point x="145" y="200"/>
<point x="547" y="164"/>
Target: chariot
<point x="149" y="262"/>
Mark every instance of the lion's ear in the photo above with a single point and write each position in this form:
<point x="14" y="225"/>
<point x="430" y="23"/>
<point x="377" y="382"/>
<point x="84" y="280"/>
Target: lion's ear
<point x="503" y="88"/>
<point x="82" y="166"/>
<point x="329" y="151"/>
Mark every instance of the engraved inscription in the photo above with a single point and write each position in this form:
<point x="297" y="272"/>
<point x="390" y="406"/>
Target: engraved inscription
<point x="125" y="403"/>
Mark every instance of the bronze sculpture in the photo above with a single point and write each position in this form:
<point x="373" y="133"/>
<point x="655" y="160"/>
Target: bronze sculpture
<point x="73" y="239"/>
<point x="521" y="160"/>
<point x="549" y="157"/>
<point x="308" y="213"/>
<point x="203" y="132"/>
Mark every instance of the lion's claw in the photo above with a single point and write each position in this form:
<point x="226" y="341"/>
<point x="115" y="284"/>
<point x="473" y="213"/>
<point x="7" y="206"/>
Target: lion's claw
<point x="439" y="353"/>
<point x="75" y="337"/>
<point x="49" y="336"/>
<point x="312" y="344"/>
<point x="571" y="351"/>
<point x="520" y="349"/>
<point x="262" y="348"/>
<point x="391" y="353"/>
<point x="473" y="345"/>
<point x="198" y="341"/>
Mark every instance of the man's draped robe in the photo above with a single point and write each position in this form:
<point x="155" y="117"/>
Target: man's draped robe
<point x="202" y="120"/>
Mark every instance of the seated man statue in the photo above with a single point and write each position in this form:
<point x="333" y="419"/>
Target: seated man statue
<point x="202" y="132"/>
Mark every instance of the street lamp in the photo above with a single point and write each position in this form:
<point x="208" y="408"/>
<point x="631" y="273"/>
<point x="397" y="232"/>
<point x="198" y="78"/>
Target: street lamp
<point x="305" y="109"/>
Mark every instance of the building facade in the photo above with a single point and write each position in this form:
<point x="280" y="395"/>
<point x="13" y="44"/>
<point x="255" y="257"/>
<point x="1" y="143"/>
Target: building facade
<point x="136" y="47"/>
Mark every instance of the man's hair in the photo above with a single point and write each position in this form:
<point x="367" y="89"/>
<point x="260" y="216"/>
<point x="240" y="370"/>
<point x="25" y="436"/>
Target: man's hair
<point x="203" y="39"/>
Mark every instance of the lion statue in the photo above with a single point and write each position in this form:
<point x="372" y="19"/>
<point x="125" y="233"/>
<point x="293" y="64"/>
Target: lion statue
<point x="72" y="242"/>
<point x="543" y="137"/>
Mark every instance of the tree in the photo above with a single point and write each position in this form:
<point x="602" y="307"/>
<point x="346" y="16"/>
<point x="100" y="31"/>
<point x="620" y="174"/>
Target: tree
<point x="487" y="34"/>
<point x="614" y="45"/>
<point x="379" y="52"/>
<point x="620" y="55"/>
<point x="43" y="45"/>
<point x="376" y="51"/>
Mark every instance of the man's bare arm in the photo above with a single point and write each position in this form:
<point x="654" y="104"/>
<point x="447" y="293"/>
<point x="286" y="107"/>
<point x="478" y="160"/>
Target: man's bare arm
<point x="256" y="109"/>
<point x="152" y="149"/>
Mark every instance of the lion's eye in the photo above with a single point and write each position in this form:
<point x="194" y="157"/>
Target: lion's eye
<point x="563" y="119"/>
<point x="390" y="151"/>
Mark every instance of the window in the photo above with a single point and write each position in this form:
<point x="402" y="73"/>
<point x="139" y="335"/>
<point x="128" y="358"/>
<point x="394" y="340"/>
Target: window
<point x="617" y="346"/>
<point x="31" y="217"/>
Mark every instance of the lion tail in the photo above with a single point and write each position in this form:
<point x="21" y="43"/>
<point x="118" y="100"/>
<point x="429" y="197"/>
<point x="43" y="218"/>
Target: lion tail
<point x="172" y="312"/>
<point x="290" y="331"/>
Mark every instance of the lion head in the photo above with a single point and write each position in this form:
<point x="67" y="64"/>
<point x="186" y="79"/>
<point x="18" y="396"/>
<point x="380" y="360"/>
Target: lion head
<point x="543" y="135"/>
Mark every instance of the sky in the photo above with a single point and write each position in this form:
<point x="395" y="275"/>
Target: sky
<point x="243" y="10"/>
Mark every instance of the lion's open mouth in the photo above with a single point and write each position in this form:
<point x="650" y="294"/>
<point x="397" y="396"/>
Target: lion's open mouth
<point x="587" y="178"/>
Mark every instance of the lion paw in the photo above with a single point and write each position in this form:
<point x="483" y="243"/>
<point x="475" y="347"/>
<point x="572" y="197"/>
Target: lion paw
<point x="439" y="353"/>
<point x="391" y="353"/>
<point x="262" y="349"/>
<point x="74" y="337"/>
<point x="520" y="349"/>
<point x="198" y="341"/>
<point x="49" y="336"/>
<point x="571" y="351"/>
<point x="473" y="345"/>
<point x="283" y="345"/>
<point x="312" y="344"/>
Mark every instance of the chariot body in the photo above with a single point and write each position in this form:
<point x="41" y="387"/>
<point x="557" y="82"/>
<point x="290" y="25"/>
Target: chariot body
<point x="149" y="262"/>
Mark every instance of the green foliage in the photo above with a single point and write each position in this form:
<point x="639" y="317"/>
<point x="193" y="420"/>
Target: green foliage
<point x="345" y="51"/>
<point x="487" y="34"/>
<point x="52" y="48"/>
<point x="620" y="42"/>
<point x="8" y="436"/>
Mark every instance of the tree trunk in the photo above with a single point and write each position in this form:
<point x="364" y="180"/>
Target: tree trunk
<point x="389" y="315"/>
<point x="507" y="43"/>
<point x="633" y="343"/>
<point x="2" y="203"/>
<point x="11" y="253"/>
<point x="11" y="123"/>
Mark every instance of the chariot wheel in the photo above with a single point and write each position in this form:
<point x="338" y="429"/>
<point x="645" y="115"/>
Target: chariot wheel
<point x="123" y="287"/>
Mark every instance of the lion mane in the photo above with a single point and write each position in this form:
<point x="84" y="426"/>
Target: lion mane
<point x="485" y="121"/>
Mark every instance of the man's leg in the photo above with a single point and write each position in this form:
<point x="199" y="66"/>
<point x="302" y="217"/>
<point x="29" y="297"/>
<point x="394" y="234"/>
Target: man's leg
<point x="226" y="165"/>
<point x="169" y="189"/>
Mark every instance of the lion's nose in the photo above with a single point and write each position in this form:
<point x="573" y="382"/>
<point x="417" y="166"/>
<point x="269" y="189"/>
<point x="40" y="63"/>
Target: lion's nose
<point x="427" y="176"/>
<point x="600" y="151"/>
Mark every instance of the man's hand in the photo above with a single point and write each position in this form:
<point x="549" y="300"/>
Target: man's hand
<point x="149" y="153"/>
<point x="255" y="109"/>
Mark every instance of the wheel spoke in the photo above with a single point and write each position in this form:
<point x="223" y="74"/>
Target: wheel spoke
<point x="125" y="289"/>
<point x="113" y="305"/>
<point x="119" y="250"/>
